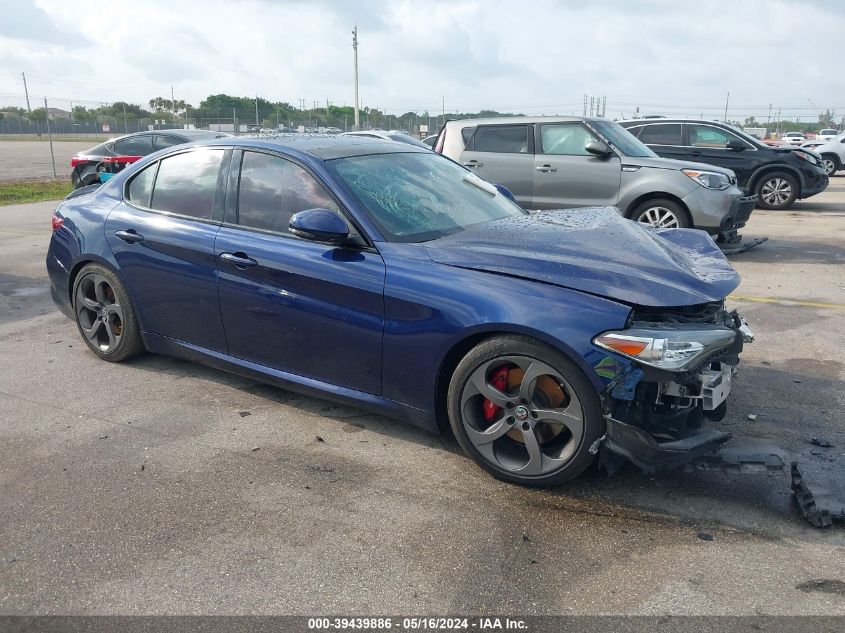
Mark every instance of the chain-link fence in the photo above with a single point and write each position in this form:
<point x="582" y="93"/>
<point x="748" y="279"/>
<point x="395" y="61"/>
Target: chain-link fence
<point x="39" y="136"/>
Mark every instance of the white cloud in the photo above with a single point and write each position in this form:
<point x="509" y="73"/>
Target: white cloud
<point x="536" y="57"/>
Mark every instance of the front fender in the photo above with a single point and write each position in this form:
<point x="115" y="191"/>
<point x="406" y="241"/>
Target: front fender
<point x="430" y="309"/>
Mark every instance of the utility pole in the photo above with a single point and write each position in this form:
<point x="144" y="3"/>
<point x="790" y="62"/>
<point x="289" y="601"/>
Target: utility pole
<point x="727" y="100"/>
<point x="355" y="49"/>
<point x="769" y="117"/>
<point x="26" y="91"/>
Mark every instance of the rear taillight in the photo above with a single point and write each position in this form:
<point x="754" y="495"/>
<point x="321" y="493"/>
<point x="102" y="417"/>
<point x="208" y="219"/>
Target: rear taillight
<point x="57" y="222"/>
<point x="76" y="160"/>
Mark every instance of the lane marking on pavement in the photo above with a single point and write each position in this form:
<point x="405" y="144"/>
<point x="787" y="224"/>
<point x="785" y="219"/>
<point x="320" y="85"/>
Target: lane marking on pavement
<point x="789" y="302"/>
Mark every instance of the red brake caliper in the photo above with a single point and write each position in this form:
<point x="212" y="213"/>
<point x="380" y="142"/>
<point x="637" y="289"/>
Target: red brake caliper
<point x="499" y="380"/>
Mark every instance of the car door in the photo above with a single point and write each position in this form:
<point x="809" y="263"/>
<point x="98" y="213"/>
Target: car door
<point x="566" y="174"/>
<point x="300" y="306"/>
<point x="665" y="139"/>
<point x="136" y="145"/>
<point x="162" y="237"/>
<point x="709" y="144"/>
<point x="503" y="155"/>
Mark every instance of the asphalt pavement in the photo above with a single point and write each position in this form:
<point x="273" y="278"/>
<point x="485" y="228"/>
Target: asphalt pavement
<point x="161" y="486"/>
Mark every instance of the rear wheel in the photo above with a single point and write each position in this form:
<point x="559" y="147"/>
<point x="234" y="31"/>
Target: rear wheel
<point x="776" y="190"/>
<point x="104" y="315"/>
<point x="662" y="213"/>
<point x="524" y="412"/>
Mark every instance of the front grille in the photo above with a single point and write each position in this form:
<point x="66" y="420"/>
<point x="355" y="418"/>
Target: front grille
<point x="698" y="313"/>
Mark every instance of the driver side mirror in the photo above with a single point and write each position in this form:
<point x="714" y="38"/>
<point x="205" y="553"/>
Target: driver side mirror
<point x="735" y="145"/>
<point x="319" y="225"/>
<point x="597" y="148"/>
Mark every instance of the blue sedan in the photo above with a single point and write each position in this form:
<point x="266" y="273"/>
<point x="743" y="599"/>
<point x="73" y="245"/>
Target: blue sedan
<point x="389" y="277"/>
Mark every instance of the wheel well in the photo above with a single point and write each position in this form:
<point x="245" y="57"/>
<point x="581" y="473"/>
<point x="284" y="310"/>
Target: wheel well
<point x="835" y="157"/>
<point x="755" y="180"/>
<point x="444" y="375"/>
<point x="73" y="273"/>
<point x="654" y="195"/>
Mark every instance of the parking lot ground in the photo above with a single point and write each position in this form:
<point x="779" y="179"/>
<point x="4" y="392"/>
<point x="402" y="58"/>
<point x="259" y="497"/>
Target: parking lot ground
<point x="20" y="160"/>
<point x="160" y="486"/>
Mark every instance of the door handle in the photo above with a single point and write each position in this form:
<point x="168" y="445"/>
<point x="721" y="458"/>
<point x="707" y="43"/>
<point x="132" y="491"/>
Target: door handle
<point x="546" y="168"/>
<point x="695" y="153"/>
<point x="130" y="236"/>
<point x="473" y="163"/>
<point x="239" y="260"/>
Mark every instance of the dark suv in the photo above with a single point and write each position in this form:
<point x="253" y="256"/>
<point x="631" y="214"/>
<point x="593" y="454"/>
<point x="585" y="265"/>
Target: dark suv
<point x="778" y="175"/>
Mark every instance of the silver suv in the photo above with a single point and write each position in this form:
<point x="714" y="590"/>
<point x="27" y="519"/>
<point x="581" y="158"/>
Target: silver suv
<point x="559" y="162"/>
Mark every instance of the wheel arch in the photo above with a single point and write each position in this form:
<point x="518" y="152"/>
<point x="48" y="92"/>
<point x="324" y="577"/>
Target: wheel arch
<point x="475" y="336"/>
<point x="768" y="169"/>
<point x="655" y="195"/>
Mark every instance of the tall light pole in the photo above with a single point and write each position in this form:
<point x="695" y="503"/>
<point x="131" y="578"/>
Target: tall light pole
<point x="357" y="125"/>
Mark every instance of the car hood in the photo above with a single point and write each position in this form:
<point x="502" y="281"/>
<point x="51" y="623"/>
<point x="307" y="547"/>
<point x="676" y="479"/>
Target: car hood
<point x="596" y="250"/>
<point x="671" y="163"/>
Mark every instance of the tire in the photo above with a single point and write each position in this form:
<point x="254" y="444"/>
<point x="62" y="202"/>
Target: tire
<point x="776" y="190"/>
<point x="562" y="414"/>
<point x="831" y="164"/>
<point x="104" y="315"/>
<point x="661" y="213"/>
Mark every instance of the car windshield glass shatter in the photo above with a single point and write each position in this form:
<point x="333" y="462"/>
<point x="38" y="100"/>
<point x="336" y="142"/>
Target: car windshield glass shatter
<point x="134" y="145"/>
<point x="662" y="134"/>
<point x="505" y="139"/>
<point x="272" y="189"/>
<point x="142" y="186"/>
<point x="567" y="139"/>
<point x="619" y="138"/>
<point x="421" y="196"/>
<point x="186" y="183"/>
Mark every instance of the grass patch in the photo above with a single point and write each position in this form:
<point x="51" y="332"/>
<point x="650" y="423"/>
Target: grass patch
<point x="17" y="192"/>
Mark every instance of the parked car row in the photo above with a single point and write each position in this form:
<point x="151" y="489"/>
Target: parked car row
<point x="564" y="162"/>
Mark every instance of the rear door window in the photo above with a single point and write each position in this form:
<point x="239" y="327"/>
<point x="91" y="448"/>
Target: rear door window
<point x="187" y="182"/>
<point x="502" y="139"/>
<point x="709" y="137"/>
<point x="662" y="134"/>
<point x="272" y="189"/>
<point x="134" y="145"/>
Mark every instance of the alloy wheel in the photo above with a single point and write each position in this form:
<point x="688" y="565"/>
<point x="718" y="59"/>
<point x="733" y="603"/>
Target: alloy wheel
<point x="98" y="312"/>
<point x="829" y="166"/>
<point x="659" y="217"/>
<point x="776" y="192"/>
<point x="531" y="423"/>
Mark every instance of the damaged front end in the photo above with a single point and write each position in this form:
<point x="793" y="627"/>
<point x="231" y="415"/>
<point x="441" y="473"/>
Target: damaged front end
<point x="682" y="361"/>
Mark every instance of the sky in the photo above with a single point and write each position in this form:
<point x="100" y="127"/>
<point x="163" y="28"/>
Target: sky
<point x="530" y="56"/>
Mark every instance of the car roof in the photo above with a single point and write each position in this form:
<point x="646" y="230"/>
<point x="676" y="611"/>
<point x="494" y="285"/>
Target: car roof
<point x="644" y="120"/>
<point x="326" y="146"/>
<point x="192" y="134"/>
<point x="524" y="119"/>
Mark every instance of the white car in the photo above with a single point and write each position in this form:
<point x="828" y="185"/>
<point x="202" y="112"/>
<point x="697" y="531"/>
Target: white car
<point x="388" y="135"/>
<point x="832" y="153"/>
<point x="827" y="134"/>
<point x="793" y="138"/>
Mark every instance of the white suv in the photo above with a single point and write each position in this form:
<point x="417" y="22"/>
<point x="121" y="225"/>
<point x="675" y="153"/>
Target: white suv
<point x="793" y="138"/>
<point x="832" y="153"/>
<point x="827" y="134"/>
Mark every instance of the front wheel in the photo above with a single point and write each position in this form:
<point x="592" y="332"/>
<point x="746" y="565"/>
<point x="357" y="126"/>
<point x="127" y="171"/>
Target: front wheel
<point x="524" y="411"/>
<point x="661" y="213"/>
<point x="830" y="164"/>
<point x="777" y="190"/>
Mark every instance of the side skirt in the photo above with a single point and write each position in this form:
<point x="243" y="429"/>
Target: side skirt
<point x="307" y="386"/>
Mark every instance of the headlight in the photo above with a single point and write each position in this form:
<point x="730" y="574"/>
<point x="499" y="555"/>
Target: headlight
<point x="708" y="179"/>
<point x="664" y="348"/>
<point x="805" y="156"/>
